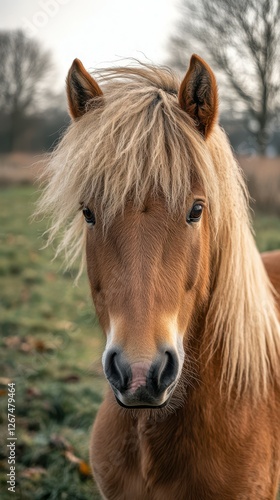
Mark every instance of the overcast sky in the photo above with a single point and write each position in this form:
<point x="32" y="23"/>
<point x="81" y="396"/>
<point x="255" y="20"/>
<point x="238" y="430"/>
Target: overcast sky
<point x="95" y="31"/>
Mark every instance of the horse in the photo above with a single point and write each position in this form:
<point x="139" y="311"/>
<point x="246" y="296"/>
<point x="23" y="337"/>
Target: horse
<point x="144" y="183"/>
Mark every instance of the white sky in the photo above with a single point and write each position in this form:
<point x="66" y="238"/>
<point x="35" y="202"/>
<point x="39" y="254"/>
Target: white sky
<point x="95" y="31"/>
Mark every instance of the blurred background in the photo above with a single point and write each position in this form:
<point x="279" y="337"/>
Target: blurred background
<point x="51" y="344"/>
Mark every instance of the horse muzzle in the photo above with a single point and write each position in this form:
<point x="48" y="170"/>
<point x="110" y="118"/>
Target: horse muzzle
<point x="142" y="384"/>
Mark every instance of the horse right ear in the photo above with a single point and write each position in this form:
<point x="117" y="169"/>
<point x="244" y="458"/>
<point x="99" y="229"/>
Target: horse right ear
<point x="198" y="95"/>
<point x="81" y="88"/>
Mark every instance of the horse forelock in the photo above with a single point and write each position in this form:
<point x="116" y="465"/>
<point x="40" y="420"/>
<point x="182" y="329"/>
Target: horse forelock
<point x="140" y="141"/>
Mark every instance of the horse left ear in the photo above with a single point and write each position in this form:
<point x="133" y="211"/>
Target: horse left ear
<point x="81" y="88"/>
<point x="198" y="95"/>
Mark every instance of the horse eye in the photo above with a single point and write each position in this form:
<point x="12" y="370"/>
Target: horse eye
<point x="89" y="216"/>
<point x="195" y="213"/>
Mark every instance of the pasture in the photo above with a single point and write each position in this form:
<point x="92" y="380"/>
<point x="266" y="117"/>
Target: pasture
<point x="51" y="347"/>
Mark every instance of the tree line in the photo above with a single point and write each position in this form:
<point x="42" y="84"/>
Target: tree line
<point x="31" y="114"/>
<point x="240" y="39"/>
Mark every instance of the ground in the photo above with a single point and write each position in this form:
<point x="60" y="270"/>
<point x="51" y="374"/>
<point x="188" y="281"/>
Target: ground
<point x="50" y="347"/>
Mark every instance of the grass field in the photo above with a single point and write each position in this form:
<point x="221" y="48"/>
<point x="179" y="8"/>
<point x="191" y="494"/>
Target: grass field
<point x="51" y="347"/>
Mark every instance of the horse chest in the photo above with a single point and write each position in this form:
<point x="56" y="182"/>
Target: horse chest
<point x="179" y="465"/>
<point x="155" y="461"/>
<point x="171" y="461"/>
<point x="188" y="456"/>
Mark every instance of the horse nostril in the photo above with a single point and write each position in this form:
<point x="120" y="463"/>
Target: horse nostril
<point x="116" y="371"/>
<point x="164" y="371"/>
<point x="169" y="370"/>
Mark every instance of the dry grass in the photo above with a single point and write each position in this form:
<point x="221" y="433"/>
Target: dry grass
<point x="20" y="168"/>
<point x="263" y="178"/>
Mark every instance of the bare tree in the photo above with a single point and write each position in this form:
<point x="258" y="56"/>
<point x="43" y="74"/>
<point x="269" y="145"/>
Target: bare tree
<point x="242" y="39"/>
<point x="24" y="68"/>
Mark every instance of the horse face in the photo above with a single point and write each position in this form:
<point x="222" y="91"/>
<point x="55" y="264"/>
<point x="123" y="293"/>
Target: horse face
<point x="148" y="274"/>
<point x="149" y="271"/>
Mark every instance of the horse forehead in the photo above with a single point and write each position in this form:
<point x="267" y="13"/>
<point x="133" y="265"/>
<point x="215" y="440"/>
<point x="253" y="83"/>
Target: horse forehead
<point x="135" y="221"/>
<point x="152" y="219"/>
<point x="152" y="202"/>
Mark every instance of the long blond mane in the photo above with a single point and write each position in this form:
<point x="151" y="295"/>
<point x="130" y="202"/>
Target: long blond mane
<point x="140" y="140"/>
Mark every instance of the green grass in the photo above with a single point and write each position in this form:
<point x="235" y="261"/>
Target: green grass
<point x="51" y="346"/>
<point x="267" y="230"/>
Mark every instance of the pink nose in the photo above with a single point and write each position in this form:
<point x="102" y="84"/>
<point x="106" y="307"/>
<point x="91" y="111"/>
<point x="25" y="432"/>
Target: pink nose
<point x="139" y="375"/>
